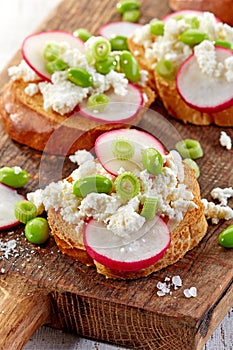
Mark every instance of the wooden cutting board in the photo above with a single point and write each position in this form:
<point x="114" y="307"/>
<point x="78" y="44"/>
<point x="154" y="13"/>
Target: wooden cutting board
<point x="39" y="285"/>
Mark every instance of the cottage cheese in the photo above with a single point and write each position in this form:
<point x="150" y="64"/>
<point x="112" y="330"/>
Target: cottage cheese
<point x="61" y="95"/>
<point x="119" y="216"/>
<point x="169" y="47"/>
<point x="22" y="71"/>
<point x="216" y="212"/>
<point x="222" y="194"/>
<point x="31" y="89"/>
<point x="225" y="140"/>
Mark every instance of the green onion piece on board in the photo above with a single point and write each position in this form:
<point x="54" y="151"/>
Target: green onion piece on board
<point x="25" y="211"/>
<point x="189" y="148"/>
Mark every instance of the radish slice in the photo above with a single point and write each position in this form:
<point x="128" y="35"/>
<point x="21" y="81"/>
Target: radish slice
<point x="121" y="254"/>
<point x="185" y="13"/>
<point x="104" y="148"/>
<point x="112" y="29"/>
<point x="33" y="47"/>
<point x="202" y="92"/>
<point x="120" y="108"/>
<point x="8" y="197"/>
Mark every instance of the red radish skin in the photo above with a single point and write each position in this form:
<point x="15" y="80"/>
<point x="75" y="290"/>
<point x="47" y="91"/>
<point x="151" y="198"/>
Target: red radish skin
<point x="34" y="44"/>
<point x="149" y="248"/>
<point x="201" y="92"/>
<point x="188" y="13"/>
<point x="112" y="29"/>
<point x="140" y="140"/>
<point x="9" y="197"/>
<point x="119" y="109"/>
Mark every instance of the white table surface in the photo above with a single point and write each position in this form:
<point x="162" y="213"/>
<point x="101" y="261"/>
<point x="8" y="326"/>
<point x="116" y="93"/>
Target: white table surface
<point x="19" y="18"/>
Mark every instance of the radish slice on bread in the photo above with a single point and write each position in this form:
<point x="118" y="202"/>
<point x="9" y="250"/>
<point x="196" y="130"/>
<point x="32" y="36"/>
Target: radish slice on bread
<point x="112" y="29"/>
<point x="33" y="47"/>
<point x="120" y="108"/>
<point x="127" y="254"/>
<point x="9" y="197"/>
<point x="201" y="91"/>
<point x="136" y="140"/>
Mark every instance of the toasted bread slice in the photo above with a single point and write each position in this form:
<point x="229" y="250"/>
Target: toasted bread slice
<point x="26" y="122"/>
<point x="184" y="237"/>
<point x="174" y="104"/>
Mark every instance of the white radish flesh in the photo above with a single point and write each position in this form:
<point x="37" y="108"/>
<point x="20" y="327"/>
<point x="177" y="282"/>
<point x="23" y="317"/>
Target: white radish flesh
<point x="33" y="47"/>
<point x="203" y="92"/>
<point x="8" y="197"/>
<point x="121" y="254"/>
<point x="123" y="28"/>
<point x="119" y="109"/>
<point x="104" y="148"/>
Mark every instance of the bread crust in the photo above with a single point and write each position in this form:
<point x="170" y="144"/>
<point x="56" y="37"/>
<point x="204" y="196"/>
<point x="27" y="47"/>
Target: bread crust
<point x="172" y="101"/>
<point x="185" y="236"/>
<point x="25" y="121"/>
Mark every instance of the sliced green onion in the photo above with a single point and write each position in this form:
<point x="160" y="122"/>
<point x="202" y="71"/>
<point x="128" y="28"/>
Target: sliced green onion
<point x="52" y="51"/>
<point x="92" y="183"/>
<point x="119" y="43"/>
<point x="79" y="77"/>
<point x="82" y="34"/>
<point x="149" y="207"/>
<point x="127" y="5"/>
<point x="56" y="66"/>
<point x="165" y="69"/>
<point x="131" y="16"/>
<point x="127" y="185"/>
<point x="193" y="37"/>
<point x="97" y="102"/>
<point x="37" y="230"/>
<point x="190" y="162"/>
<point x="25" y="211"/>
<point x="157" y="27"/>
<point x="123" y="149"/>
<point x="105" y="66"/>
<point x="98" y="49"/>
<point x="152" y="160"/>
<point x="189" y="149"/>
<point x="13" y="178"/>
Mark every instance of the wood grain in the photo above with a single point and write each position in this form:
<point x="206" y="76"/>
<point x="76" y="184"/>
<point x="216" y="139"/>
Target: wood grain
<point x="127" y="313"/>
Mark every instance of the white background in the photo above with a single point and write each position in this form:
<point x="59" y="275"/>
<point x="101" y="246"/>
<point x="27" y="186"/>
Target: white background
<point x="19" y="18"/>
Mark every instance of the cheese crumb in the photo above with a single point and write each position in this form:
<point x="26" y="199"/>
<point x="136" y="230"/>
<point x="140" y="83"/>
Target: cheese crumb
<point x="31" y="89"/>
<point x="216" y="212"/>
<point x="191" y="292"/>
<point x="225" y="140"/>
<point x="222" y="194"/>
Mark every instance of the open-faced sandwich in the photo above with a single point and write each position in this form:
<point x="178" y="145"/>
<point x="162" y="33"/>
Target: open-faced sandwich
<point x="66" y="85"/>
<point x="189" y="57"/>
<point x="130" y="209"/>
